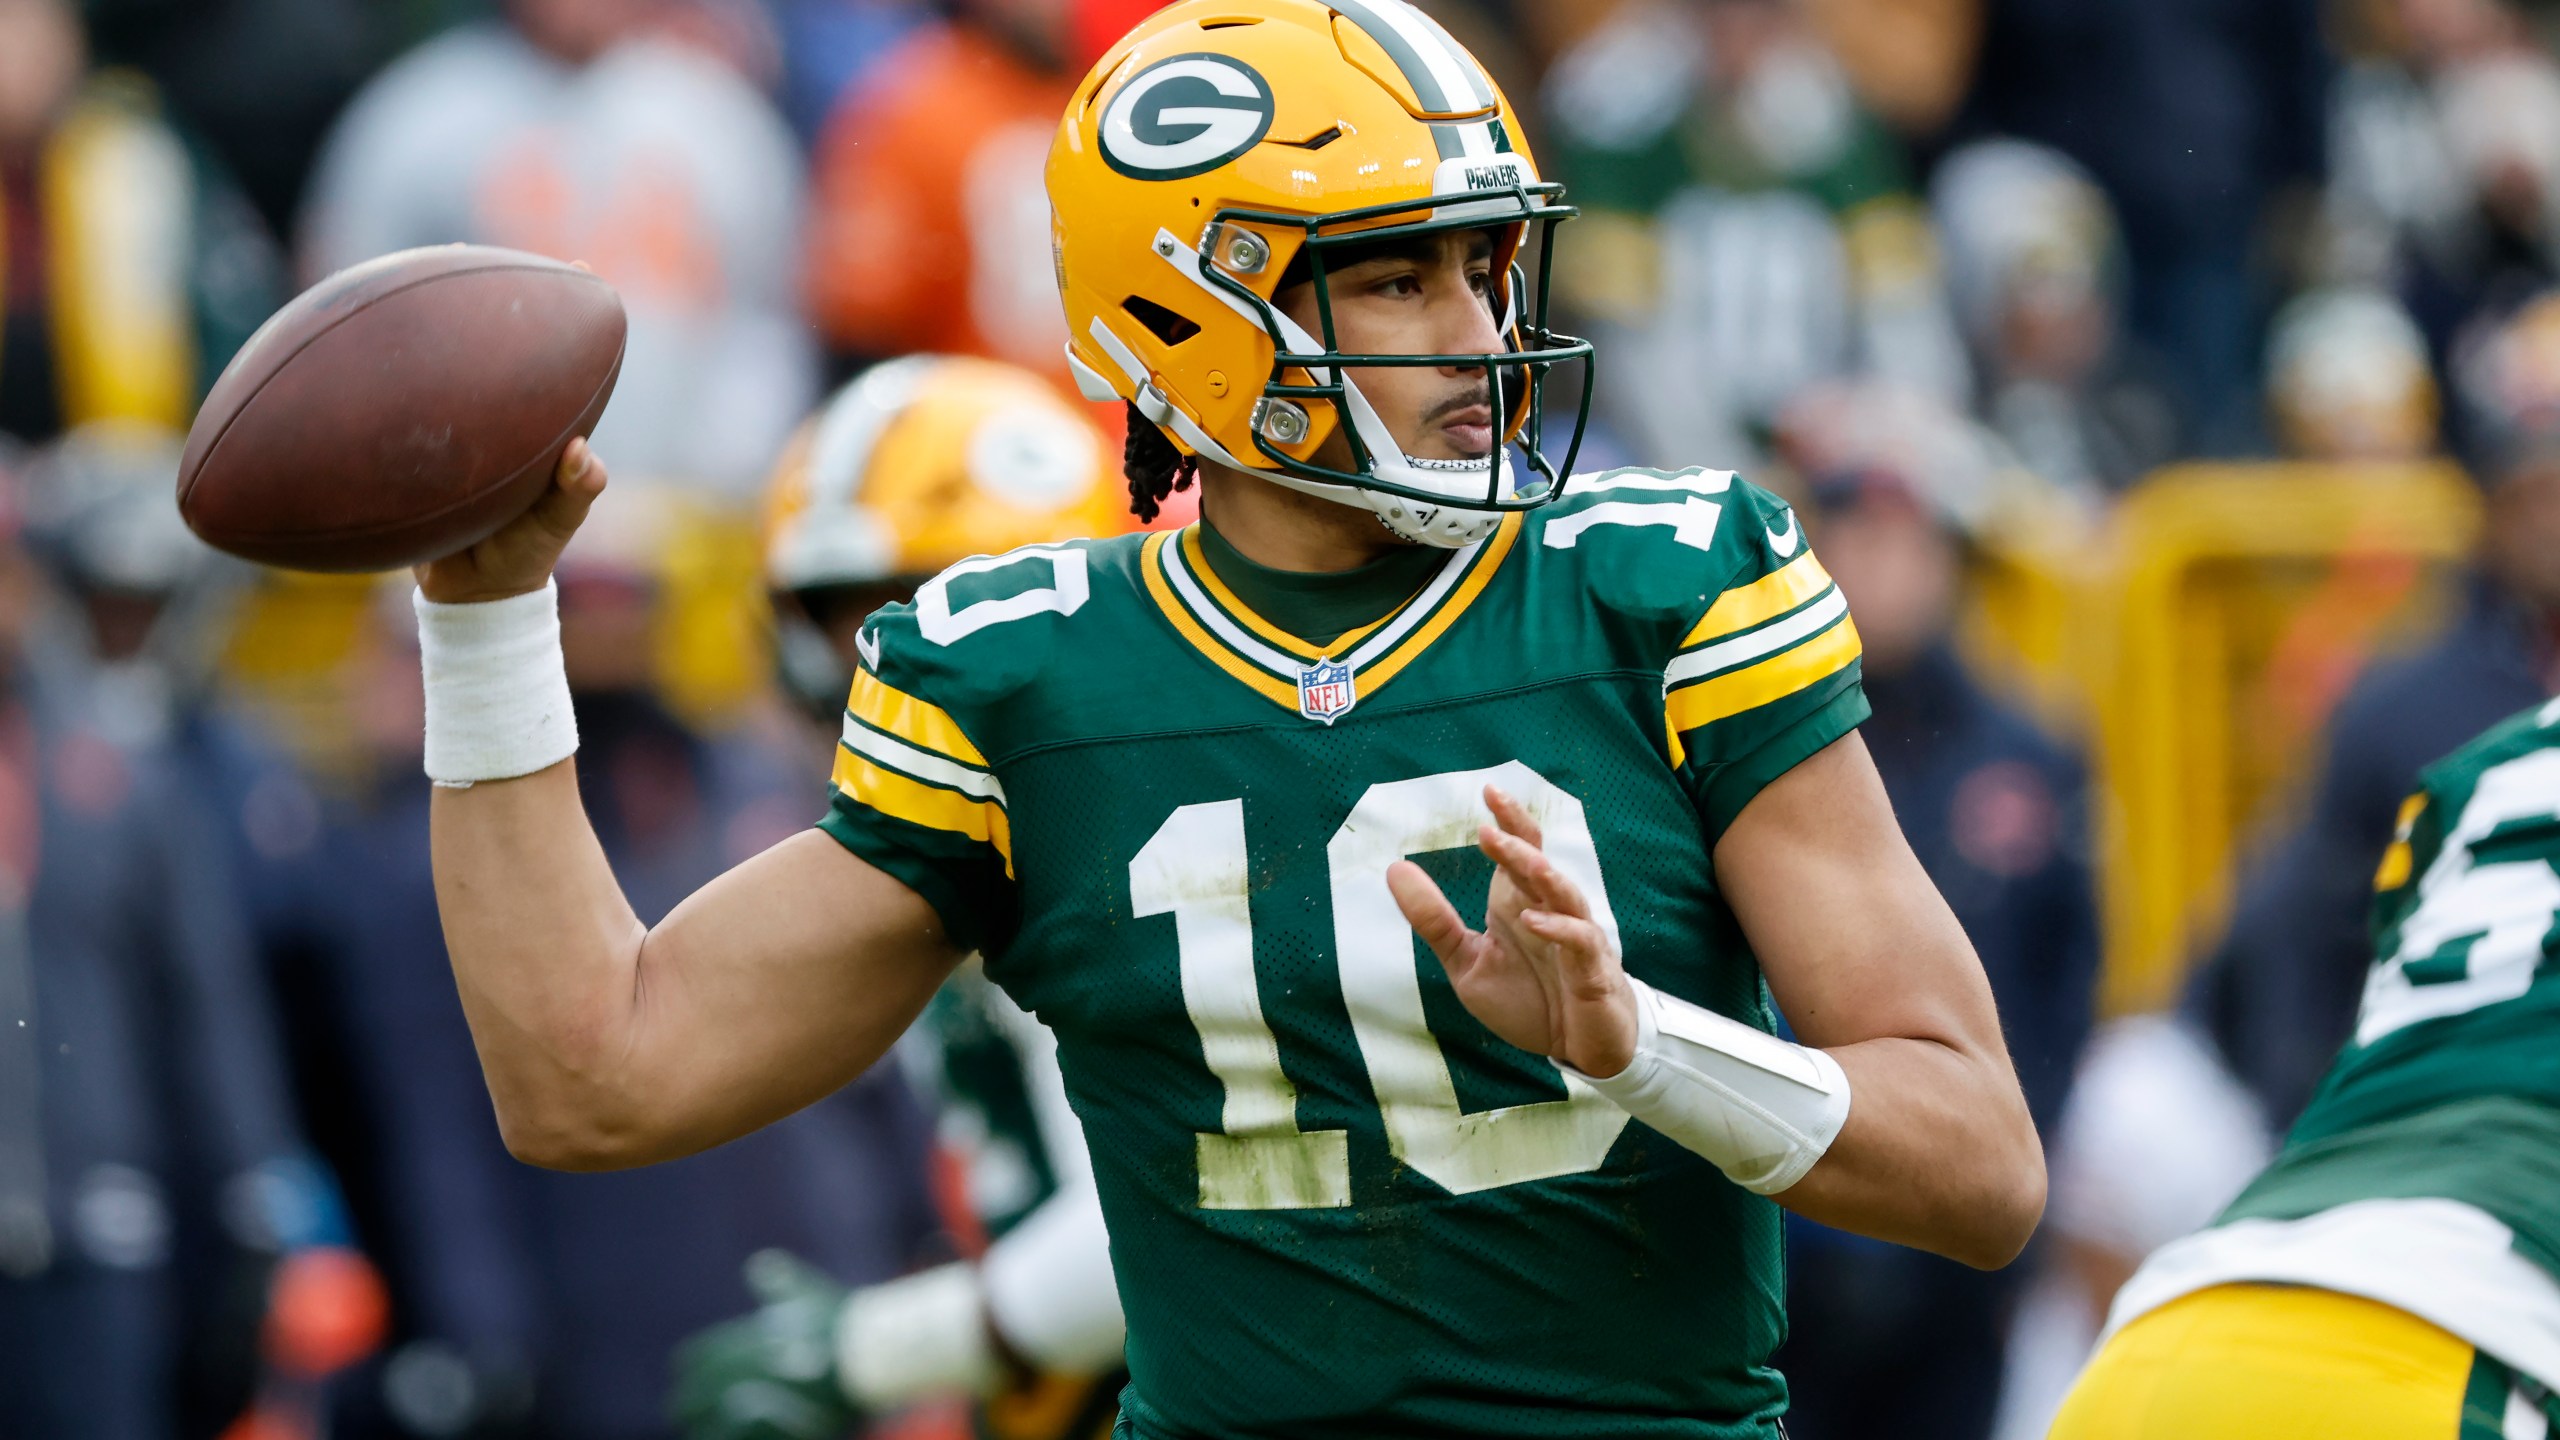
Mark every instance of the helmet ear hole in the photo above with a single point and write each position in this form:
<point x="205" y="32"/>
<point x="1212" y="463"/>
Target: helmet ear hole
<point x="1167" y="325"/>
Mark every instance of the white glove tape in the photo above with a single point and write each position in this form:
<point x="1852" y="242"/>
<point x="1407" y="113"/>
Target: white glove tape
<point x="1050" y="1291"/>
<point x="1762" y="1109"/>
<point x="497" y="691"/>
<point x="917" y="1338"/>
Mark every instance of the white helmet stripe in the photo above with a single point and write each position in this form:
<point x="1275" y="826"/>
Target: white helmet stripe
<point x="1479" y="87"/>
<point x="1444" y="77"/>
<point x="840" y="448"/>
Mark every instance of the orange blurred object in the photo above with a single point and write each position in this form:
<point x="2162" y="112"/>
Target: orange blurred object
<point x="1099" y="24"/>
<point x="326" y="1310"/>
<point x="270" y="1425"/>
<point x="929" y="222"/>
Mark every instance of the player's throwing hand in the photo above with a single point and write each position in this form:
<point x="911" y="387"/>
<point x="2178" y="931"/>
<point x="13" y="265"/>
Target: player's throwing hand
<point x="1540" y="974"/>
<point x="519" y="558"/>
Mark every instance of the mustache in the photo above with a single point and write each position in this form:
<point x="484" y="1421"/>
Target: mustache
<point x="1456" y="404"/>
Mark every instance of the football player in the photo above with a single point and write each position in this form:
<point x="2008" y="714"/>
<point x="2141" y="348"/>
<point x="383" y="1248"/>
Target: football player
<point x="1195" y="794"/>
<point x="2396" y="1271"/>
<point x="913" y="467"/>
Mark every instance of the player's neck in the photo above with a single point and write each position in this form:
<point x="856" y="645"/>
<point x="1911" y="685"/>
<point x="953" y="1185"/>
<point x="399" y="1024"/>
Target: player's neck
<point x="1283" y="529"/>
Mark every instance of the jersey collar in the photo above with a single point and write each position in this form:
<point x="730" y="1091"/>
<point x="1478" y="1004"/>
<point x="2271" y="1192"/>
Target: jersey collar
<point x="1319" y="682"/>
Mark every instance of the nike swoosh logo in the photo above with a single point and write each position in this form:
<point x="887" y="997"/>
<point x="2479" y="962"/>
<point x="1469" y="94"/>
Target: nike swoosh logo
<point x="867" y="642"/>
<point x="1786" y="542"/>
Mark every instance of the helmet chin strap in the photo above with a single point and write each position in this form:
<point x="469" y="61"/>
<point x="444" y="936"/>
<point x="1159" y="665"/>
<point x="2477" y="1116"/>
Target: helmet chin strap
<point x="1448" y="527"/>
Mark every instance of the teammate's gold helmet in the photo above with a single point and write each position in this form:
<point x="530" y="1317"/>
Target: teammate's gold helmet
<point x="928" y="460"/>
<point x="1225" y="144"/>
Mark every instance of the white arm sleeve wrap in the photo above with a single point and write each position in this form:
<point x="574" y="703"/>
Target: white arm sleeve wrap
<point x="917" y="1338"/>
<point x="497" y="691"/>
<point x="1762" y="1109"/>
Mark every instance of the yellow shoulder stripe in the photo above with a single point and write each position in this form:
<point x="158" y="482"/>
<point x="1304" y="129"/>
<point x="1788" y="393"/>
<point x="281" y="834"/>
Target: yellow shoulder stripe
<point x="917" y="803"/>
<point x="1766" y="598"/>
<point x="1753" y="686"/>
<point x="2393" y="872"/>
<point x="2410" y="809"/>
<point x="882" y="706"/>
<point x="2398" y="859"/>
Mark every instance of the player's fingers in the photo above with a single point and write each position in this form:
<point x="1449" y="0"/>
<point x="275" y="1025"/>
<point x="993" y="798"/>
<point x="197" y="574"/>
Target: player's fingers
<point x="1531" y="870"/>
<point x="1513" y="816"/>
<point x="1428" y="911"/>
<point x="581" y="469"/>
<point x="1589" y="963"/>
<point x="575" y="485"/>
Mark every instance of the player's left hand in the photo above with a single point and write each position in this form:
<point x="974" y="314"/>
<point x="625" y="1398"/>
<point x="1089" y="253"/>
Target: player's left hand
<point x="770" y="1375"/>
<point x="1540" y="974"/>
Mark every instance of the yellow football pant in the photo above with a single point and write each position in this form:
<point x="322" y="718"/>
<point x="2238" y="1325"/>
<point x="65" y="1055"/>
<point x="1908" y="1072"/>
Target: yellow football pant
<point x="2281" y="1362"/>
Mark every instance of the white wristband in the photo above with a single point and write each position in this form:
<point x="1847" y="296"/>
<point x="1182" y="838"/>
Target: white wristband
<point x="1762" y="1109"/>
<point x="915" y="1338"/>
<point x="497" y="690"/>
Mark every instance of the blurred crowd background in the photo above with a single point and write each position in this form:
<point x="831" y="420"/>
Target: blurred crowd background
<point x="2174" y="388"/>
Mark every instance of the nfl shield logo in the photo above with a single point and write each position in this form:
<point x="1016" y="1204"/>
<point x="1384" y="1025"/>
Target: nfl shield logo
<point x="1324" y="691"/>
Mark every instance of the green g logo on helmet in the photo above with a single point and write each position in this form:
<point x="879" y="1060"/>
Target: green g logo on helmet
<point x="1185" y="115"/>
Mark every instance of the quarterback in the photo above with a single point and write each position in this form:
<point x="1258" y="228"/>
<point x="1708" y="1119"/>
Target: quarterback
<point x="1412" y="859"/>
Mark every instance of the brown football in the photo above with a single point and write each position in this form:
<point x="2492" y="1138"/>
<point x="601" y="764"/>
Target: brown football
<point x="401" y="410"/>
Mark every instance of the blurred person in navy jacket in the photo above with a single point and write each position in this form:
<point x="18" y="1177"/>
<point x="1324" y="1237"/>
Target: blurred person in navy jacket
<point x="135" y="640"/>
<point x="1885" y="1340"/>
<point x="551" y="1301"/>
<point x="149" y="1162"/>
<point x="2280" y="992"/>
<point x="151" y="610"/>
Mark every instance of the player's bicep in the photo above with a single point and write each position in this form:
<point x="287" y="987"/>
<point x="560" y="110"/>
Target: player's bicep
<point x="1855" y="940"/>
<point x="778" y="983"/>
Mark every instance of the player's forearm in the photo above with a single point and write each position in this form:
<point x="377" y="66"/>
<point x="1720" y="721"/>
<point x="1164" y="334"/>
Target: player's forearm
<point x="545" y="952"/>
<point x="1937" y="1154"/>
<point x="1867" y="962"/>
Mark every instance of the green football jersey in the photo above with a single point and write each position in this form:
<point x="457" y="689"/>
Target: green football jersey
<point x="2450" y="1087"/>
<point x="1338" y="1204"/>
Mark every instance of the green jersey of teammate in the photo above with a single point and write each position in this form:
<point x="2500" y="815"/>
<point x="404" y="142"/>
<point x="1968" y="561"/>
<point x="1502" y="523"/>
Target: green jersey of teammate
<point x="1167" y="823"/>
<point x="2450" y="1087"/>
<point x="2426" y="1171"/>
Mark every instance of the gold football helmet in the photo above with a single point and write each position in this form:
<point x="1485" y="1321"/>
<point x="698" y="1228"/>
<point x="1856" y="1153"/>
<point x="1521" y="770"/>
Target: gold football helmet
<point x="1226" y="144"/>
<point x="920" y="463"/>
<point x="927" y="460"/>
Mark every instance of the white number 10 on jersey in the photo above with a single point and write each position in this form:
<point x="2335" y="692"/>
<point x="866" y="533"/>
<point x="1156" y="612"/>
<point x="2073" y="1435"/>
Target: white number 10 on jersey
<point x="1194" y="868"/>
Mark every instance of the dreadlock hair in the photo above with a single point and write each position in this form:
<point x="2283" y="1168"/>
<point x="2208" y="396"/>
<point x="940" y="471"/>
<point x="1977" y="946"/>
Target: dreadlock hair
<point x="1154" y="466"/>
